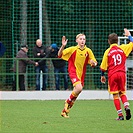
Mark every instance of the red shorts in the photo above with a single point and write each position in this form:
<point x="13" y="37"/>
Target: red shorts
<point x="75" y="80"/>
<point x="117" y="83"/>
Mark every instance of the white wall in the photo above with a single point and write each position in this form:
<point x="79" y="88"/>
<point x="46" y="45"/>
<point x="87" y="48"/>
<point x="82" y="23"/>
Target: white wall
<point x="56" y="95"/>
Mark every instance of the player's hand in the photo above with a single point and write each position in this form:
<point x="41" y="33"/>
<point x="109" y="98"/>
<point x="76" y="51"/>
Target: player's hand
<point x="103" y="79"/>
<point x="93" y="63"/>
<point x="127" y="32"/>
<point x="64" y="41"/>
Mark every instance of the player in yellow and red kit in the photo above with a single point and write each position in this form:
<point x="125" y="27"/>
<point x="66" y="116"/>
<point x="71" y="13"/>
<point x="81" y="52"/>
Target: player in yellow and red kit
<point x="78" y="57"/>
<point x="113" y="61"/>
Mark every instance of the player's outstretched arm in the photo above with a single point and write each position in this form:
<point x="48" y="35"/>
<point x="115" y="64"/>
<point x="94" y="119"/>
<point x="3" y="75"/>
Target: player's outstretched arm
<point x="64" y="42"/>
<point x="128" y="34"/>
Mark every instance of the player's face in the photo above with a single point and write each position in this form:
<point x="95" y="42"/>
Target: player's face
<point x="81" y="40"/>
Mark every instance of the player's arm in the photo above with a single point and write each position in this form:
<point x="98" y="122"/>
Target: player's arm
<point x="128" y="47"/>
<point x="103" y="67"/>
<point x="128" y="34"/>
<point x="103" y="79"/>
<point x="92" y="60"/>
<point x="64" y="42"/>
<point x="93" y="63"/>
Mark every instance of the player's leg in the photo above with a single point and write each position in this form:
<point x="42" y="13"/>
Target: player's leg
<point x="123" y="96"/>
<point x="126" y="105"/>
<point x="118" y="106"/>
<point x="113" y="89"/>
<point x="72" y="98"/>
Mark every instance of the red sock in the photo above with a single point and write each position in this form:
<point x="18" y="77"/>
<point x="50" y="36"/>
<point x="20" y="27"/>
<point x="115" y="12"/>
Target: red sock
<point x="63" y="110"/>
<point x="72" y="98"/>
<point x="118" y="106"/>
<point x="124" y="100"/>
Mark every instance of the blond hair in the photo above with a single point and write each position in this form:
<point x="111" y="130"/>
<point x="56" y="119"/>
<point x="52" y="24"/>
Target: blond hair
<point x="81" y="34"/>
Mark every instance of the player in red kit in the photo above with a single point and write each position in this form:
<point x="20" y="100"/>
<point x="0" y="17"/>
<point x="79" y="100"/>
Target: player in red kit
<point x="113" y="61"/>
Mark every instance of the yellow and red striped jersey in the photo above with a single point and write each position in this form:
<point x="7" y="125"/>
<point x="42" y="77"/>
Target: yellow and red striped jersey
<point x="114" y="58"/>
<point x="77" y="60"/>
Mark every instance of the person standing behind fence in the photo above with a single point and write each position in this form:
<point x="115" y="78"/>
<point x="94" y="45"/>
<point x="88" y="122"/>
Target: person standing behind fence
<point x="39" y="52"/>
<point x="2" y="49"/>
<point x="60" y="68"/>
<point x="78" y="57"/>
<point x="22" y="63"/>
<point x="113" y="61"/>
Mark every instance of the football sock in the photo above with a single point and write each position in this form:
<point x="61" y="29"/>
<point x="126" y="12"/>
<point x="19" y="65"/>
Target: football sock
<point x="72" y="98"/>
<point x="124" y="100"/>
<point x="63" y="110"/>
<point x="118" y="106"/>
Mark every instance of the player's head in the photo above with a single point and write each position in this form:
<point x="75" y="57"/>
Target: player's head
<point x="39" y="42"/>
<point x="113" y="38"/>
<point x="81" y="34"/>
<point x="81" y="39"/>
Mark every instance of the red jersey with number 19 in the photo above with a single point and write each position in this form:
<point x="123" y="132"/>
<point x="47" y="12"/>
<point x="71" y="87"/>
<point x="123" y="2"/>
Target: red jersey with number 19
<point x="115" y="57"/>
<point x="77" y="61"/>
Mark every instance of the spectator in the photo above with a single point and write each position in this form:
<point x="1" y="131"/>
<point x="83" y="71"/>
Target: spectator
<point x="22" y="63"/>
<point x="59" y="67"/>
<point x="2" y="49"/>
<point x="39" y="51"/>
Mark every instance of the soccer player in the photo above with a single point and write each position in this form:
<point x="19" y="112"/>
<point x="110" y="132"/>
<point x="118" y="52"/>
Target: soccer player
<point x="78" y="57"/>
<point x="114" y="62"/>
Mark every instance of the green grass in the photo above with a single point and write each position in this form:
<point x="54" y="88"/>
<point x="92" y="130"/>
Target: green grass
<point x="86" y="116"/>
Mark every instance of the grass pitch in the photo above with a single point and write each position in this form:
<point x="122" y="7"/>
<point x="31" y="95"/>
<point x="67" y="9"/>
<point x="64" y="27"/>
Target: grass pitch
<point x="86" y="116"/>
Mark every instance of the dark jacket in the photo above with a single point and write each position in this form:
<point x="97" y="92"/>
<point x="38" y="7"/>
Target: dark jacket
<point x="22" y="62"/>
<point x="42" y="51"/>
<point x="58" y="63"/>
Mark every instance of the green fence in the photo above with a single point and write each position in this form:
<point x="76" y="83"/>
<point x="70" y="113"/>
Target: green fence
<point x="90" y="80"/>
<point x="24" y="21"/>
